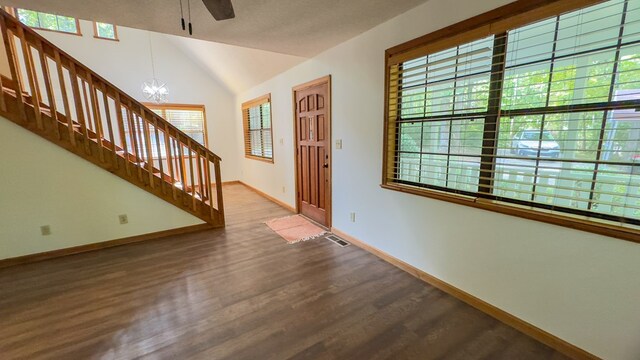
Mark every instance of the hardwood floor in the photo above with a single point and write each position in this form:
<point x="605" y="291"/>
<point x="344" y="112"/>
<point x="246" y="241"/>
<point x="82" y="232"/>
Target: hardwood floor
<point x="240" y="293"/>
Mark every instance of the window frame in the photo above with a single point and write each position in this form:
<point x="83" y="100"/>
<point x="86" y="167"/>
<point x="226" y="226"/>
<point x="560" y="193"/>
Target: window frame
<point x="494" y="22"/>
<point x="14" y="12"/>
<point x="97" y="35"/>
<point x="259" y="101"/>
<point x="172" y="106"/>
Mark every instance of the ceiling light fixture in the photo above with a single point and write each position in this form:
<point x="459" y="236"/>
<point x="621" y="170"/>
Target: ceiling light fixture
<point x="155" y="90"/>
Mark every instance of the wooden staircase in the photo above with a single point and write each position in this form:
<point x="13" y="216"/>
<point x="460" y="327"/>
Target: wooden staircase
<point x="56" y="97"/>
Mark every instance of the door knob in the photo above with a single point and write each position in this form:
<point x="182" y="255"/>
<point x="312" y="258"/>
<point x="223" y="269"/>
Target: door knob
<point x="325" y="165"/>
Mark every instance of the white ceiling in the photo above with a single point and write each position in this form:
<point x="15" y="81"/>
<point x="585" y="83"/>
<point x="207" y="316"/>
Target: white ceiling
<point x="238" y="68"/>
<point x="295" y="27"/>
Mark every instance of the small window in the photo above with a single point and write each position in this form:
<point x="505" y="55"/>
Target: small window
<point x="256" y="120"/>
<point x="105" y="31"/>
<point x="46" y="21"/>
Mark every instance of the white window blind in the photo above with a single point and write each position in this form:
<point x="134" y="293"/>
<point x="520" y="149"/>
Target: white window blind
<point x="256" y="117"/>
<point x="544" y="115"/>
<point x="188" y="119"/>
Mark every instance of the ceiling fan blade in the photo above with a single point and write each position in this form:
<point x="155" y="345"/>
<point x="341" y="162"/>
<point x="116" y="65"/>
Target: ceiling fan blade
<point x="220" y="9"/>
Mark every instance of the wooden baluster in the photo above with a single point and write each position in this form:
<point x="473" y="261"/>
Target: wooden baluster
<point x="158" y="148"/>
<point x="178" y="159"/>
<point x="87" y="107"/>
<point x="176" y="156"/>
<point x="44" y="62"/>
<point x="193" y="179"/>
<point x="107" y="113"/>
<point x="140" y="138"/>
<point x="3" y="101"/>
<point x="77" y="101"/>
<point x="147" y="141"/>
<point x="168" y="146"/>
<point x="181" y="161"/>
<point x="203" y="184"/>
<point x="65" y="99"/>
<point x="216" y="163"/>
<point x="123" y="135"/>
<point x="30" y="69"/>
<point x="201" y="187"/>
<point x="207" y="167"/>
<point x="132" y="131"/>
<point x="205" y="179"/>
<point x="96" y="115"/>
<point x="10" y="46"/>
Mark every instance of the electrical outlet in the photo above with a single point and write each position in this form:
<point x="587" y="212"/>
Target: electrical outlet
<point x="352" y="216"/>
<point x="45" y="230"/>
<point x="123" y="219"/>
<point x="339" y="144"/>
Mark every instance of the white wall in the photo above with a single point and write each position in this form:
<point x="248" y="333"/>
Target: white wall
<point x="581" y="287"/>
<point x="127" y="64"/>
<point x="43" y="184"/>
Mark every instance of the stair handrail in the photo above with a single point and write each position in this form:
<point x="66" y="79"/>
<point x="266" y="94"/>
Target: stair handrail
<point x="48" y="48"/>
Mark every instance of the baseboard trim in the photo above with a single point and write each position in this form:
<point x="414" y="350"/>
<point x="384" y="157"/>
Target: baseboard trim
<point x="232" y="182"/>
<point x="31" y="258"/>
<point x="284" y="205"/>
<point x="544" y="337"/>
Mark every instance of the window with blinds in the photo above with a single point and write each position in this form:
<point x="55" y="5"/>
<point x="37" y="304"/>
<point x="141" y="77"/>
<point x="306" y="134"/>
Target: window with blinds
<point x="256" y="120"/>
<point x="189" y="119"/>
<point x="544" y="114"/>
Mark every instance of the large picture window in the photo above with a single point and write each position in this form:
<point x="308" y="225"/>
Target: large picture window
<point x="256" y="120"/>
<point x="543" y="115"/>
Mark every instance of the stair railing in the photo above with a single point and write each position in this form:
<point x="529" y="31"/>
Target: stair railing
<point x="56" y="84"/>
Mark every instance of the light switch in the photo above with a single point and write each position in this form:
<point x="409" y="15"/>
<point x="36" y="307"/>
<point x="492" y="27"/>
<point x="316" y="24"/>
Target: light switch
<point x="339" y="144"/>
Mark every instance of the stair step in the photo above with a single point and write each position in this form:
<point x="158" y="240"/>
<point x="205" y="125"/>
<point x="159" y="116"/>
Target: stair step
<point x="75" y="125"/>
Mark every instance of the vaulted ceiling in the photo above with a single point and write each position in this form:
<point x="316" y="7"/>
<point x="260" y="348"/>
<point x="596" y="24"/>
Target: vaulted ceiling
<point x="294" y="27"/>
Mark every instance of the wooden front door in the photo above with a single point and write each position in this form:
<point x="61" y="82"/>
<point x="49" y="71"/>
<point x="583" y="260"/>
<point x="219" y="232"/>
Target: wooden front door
<point x="313" y="147"/>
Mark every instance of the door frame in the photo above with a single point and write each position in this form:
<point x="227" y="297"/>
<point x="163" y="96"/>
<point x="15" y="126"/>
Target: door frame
<point x="323" y="80"/>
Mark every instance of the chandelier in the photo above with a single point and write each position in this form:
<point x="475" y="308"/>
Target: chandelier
<point x="154" y="90"/>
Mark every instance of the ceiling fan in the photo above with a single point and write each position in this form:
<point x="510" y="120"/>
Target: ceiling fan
<point x="220" y="9"/>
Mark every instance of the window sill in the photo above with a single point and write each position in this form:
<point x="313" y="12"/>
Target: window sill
<point x="267" y="160"/>
<point x="58" y="31"/>
<point x="531" y="213"/>
<point x="105" y="38"/>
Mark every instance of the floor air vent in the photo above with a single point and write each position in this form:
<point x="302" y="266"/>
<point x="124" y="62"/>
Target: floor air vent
<point x="337" y="241"/>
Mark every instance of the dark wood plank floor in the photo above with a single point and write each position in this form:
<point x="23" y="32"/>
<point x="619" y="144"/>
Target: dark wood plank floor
<point x="240" y="293"/>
